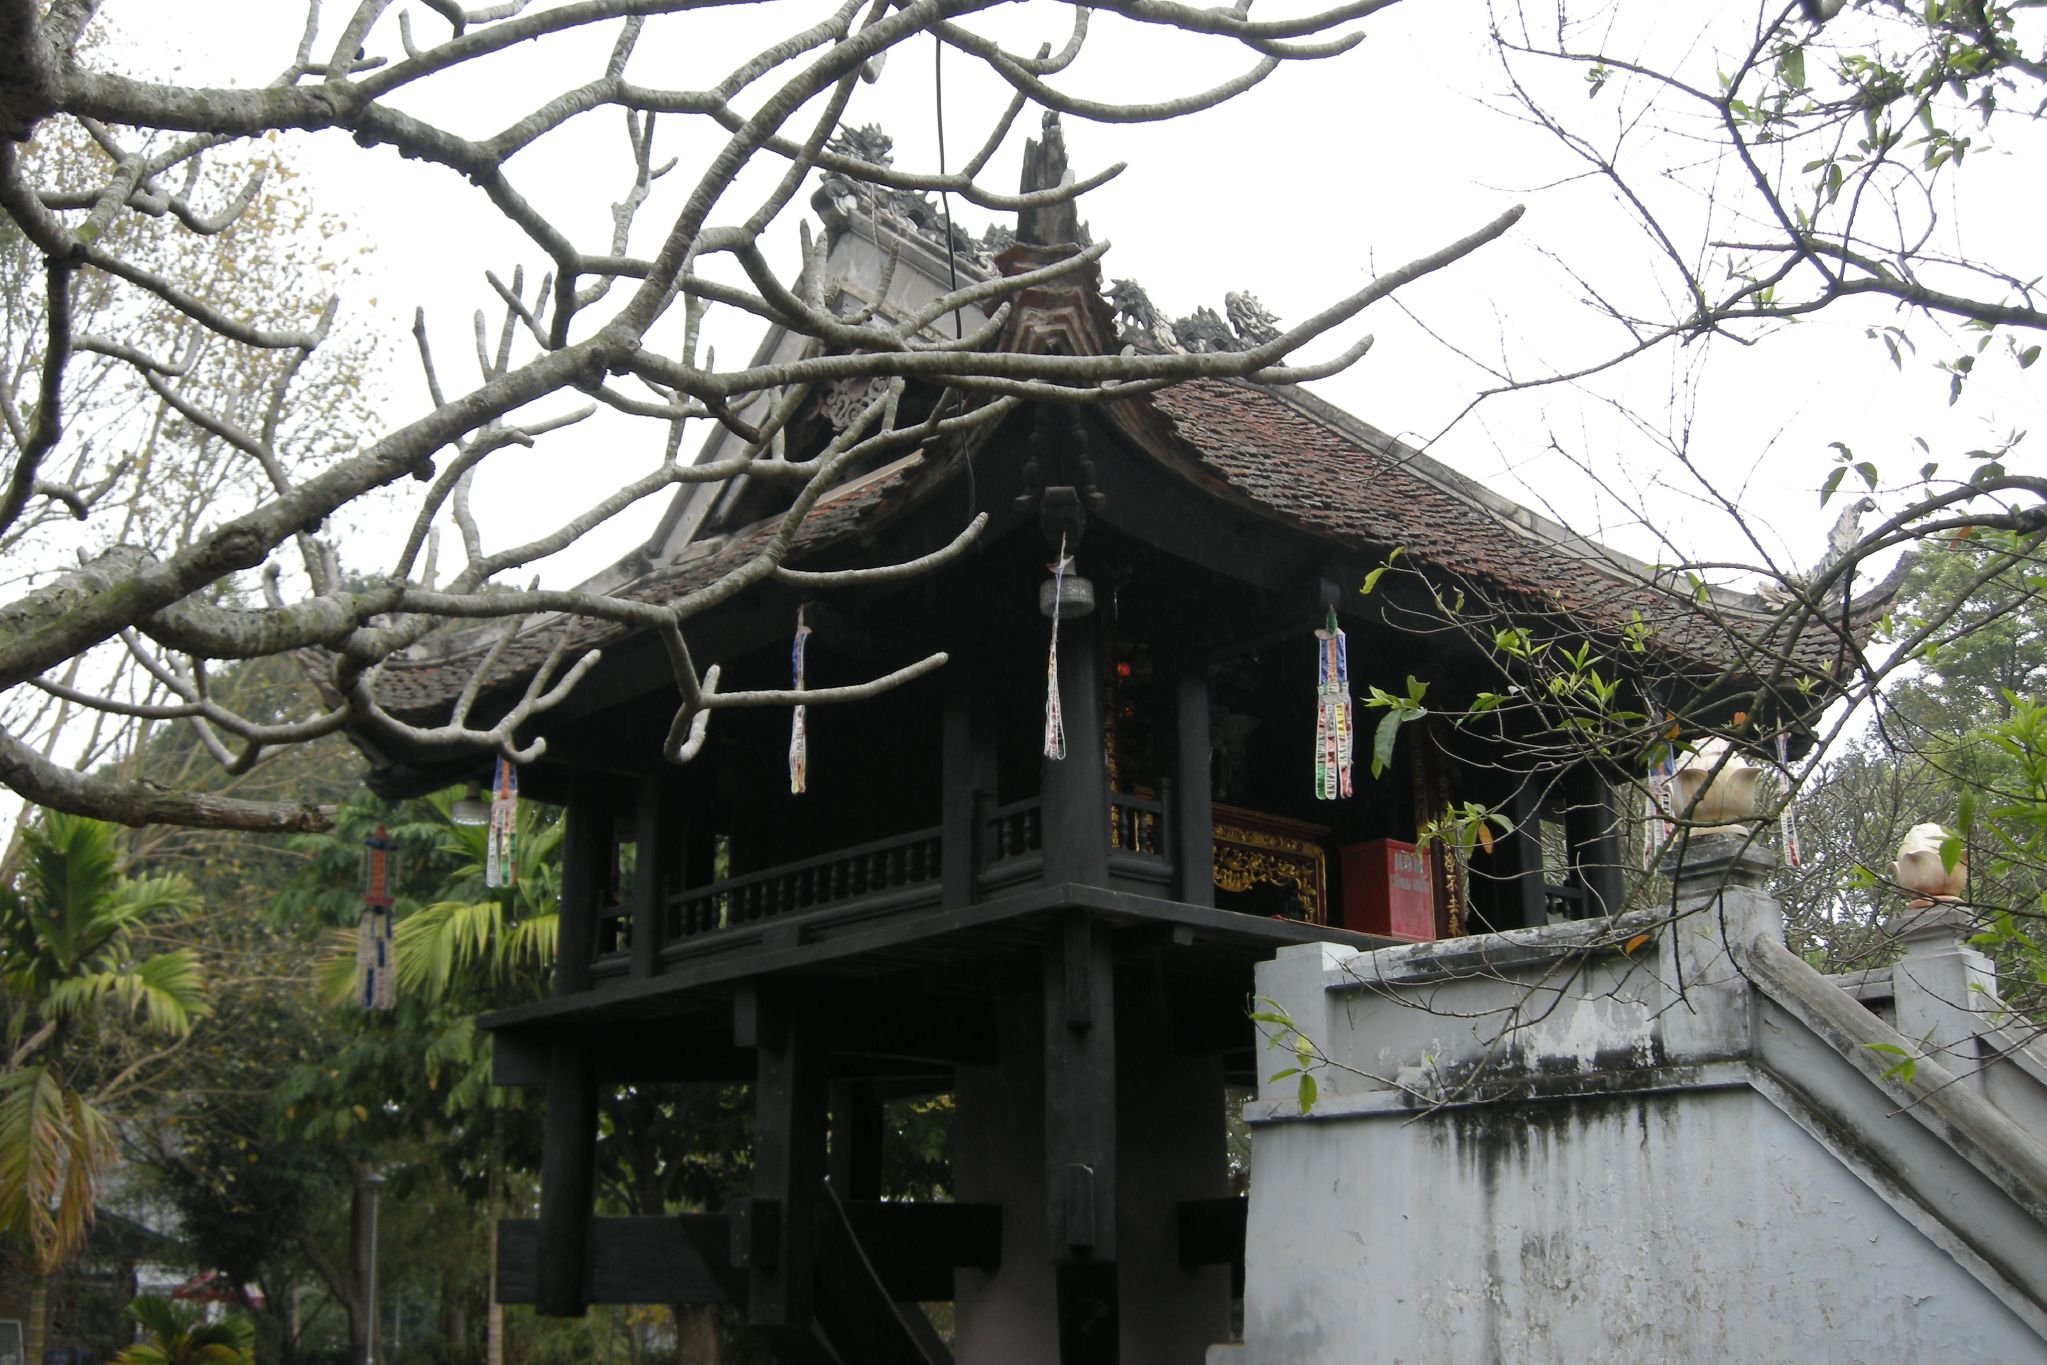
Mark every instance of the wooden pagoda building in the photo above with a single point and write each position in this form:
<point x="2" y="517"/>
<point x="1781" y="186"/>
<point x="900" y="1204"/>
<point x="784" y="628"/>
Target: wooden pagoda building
<point x="1065" y="947"/>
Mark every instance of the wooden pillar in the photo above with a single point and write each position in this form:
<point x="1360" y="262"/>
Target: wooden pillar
<point x="1076" y="788"/>
<point x="772" y="1232"/>
<point x="657" y="843"/>
<point x="586" y="875"/>
<point x="568" y="1178"/>
<point x="858" y="1130"/>
<point x="1193" y="810"/>
<point x="958" y="821"/>
<point x="1080" y="1136"/>
<point x="568" y="1172"/>
<point x="1592" y="826"/>
<point x="1524" y="900"/>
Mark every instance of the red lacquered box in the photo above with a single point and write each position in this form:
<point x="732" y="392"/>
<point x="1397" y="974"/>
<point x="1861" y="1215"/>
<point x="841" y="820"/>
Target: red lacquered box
<point x="1387" y="890"/>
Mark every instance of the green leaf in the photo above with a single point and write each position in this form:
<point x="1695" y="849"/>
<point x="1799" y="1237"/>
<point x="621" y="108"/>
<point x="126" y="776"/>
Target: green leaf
<point x="1383" y="740"/>
<point x="1950" y="852"/>
<point x="1965" y="811"/>
<point x="1372" y="578"/>
<point x="1833" y="484"/>
<point x="2028" y="356"/>
<point x="1792" y="66"/>
<point x="1306" y="1092"/>
<point x="1907" y="1065"/>
<point x="1867" y="470"/>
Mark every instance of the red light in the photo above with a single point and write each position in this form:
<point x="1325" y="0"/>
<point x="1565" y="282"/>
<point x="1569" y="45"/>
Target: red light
<point x="1122" y="670"/>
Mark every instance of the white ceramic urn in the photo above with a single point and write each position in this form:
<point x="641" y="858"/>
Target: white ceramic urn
<point x="1715" y="789"/>
<point x="1919" y="871"/>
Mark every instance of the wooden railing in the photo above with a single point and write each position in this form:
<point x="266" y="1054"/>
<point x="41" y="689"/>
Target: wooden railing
<point x="1137" y="825"/>
<point x="1009" y="841"/>
<point x="894" y="873"/>
<point x="906" y="864"/>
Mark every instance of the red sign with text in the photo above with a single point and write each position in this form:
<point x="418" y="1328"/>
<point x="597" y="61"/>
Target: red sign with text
<point x="1387" y="889"/>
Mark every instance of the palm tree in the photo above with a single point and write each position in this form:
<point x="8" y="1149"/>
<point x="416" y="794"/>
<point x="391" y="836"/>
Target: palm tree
<point x="72" y="932"/>
<point x="478" y="936"/>
<point x="179" y="1334"/>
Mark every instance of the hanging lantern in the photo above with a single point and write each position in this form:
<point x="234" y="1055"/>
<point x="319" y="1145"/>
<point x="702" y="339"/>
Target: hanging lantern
<point x="1064" y="594"/>
<point x="799" y="734"/>
<point x="1333" y="720"/>
<point x="376" y="971"/>
<point x="501" y="845"/>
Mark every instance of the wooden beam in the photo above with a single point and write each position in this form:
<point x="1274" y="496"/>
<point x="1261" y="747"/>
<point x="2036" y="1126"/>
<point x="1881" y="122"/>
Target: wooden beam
<point x="858" y="1313"/>
<point x="622" y="1055"/>
<point x="629" y="1260"/>
<point x="914" y="1247"/>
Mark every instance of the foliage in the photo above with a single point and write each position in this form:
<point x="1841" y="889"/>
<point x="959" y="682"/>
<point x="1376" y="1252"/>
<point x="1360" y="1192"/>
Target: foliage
<point x="179" y="1334"/>
<point x="1954" y="742"/>
<point x="83" y="995"/>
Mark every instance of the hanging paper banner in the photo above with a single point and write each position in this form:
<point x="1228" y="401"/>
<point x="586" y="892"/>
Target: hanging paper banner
<point x="1055" y="723"/>
<point x="799" y="735"/>
<point x="1787" y="827"/>
<point x="376" y="974"/>
<point x="1656" y="823"/>
<point x="501" y="845"/>
<point x="1333" y="728"/>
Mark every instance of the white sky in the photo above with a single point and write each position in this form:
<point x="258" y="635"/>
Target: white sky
<point x="1296" y="192"/>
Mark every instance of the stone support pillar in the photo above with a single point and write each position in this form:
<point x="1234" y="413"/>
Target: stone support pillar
<point x="1942" y="989"/>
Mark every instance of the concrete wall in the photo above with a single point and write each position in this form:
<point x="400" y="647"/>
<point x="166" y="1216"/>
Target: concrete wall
<point x="1645" y="1140"/>
<point x="1697" y="1225"/>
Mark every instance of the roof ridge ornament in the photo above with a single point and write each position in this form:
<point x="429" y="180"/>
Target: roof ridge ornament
<point x="1045" y="168"/>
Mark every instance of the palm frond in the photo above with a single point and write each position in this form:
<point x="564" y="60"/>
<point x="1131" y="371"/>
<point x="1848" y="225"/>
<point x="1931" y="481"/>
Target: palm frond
<point x="167" y="990"/>
<point x="436" y="943"/>
<point x="53" y="1147"/>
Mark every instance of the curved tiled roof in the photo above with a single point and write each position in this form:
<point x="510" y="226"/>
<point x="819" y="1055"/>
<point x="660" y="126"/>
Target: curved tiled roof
<point x="1296" y="461"/>
<point x="1288" y="454"/>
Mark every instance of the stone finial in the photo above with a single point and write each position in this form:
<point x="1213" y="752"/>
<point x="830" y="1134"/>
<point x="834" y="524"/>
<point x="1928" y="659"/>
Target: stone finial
<point x="1716" y="789"/>
<point x="1045" y="168"/>
<point x="1921" y="871"/>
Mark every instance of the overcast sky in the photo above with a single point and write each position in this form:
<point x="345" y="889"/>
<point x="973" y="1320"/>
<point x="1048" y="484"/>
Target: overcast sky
<point x="1297" y="192"/>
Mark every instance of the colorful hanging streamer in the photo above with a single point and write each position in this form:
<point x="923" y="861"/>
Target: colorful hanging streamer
<point x="376" y="973"/>
<point x="501" y="845"/>
<point x="1657" y="826"/>
<point x="1787" y="828"/>
<point x="1334" y="734"/>
<point x="1055" y="723"/>
<point x="799" y="735"/>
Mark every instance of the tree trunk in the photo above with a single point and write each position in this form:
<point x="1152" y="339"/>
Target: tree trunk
<point x="494" y="1312"/>
<point x="36" y="1330"/>
<point x="359" y="1269"/>
<point x="696" y="1333"/>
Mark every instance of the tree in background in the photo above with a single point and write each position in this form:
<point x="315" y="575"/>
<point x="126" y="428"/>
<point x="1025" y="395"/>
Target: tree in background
<point x="93" y="1019"/>
<point x="141" y="454"/>
<point x="1952" y="742"/>
<point x="615" y="319"/>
